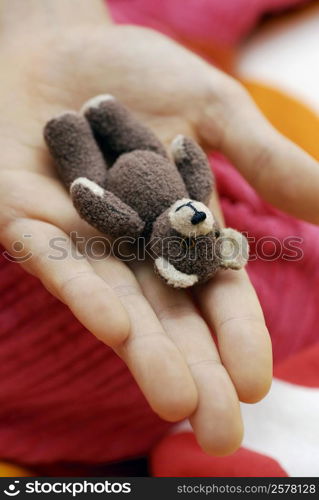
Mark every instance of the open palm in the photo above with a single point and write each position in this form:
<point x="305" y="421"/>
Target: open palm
<point x="163" y="335"/>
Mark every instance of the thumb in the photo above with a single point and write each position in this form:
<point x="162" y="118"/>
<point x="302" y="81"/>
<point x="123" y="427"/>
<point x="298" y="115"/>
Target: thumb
<point x="280" y="171"/>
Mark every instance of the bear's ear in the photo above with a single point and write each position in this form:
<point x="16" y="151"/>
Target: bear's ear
<point x="232" y="249"/>
<point x="193" y="165"/>
<point x="173" y="276"/>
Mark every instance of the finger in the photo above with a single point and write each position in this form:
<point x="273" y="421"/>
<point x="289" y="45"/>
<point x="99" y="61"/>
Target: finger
<point x="217" y="420"/>
<point x="278" y="169"/>
<point x="47" y="252"/>
<point x="155" y="362"/>
<point x="214" y="205"/>
<point x="151" y="370"/>
<point x="230" y="306"/>
<point x="62" y="15"/>
<point x="48" y="201"/>
<point x="41" y="198"/>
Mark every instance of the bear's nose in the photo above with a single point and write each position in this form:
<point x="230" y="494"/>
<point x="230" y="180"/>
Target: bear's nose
<point x="198" y="217"/>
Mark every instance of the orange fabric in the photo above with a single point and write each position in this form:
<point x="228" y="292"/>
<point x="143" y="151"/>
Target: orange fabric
<point x="9" y="470"/>
<point x="291" y="117"/>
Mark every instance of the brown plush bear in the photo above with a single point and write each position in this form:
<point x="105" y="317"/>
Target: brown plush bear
<point x="123" y="183"/>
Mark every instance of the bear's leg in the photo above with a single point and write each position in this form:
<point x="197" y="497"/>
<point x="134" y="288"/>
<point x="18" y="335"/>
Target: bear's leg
<point x="117" y="130"/>
<point x="194" y="168"/>
<point x="103" y="210"/>
<point x="72" y="145"/>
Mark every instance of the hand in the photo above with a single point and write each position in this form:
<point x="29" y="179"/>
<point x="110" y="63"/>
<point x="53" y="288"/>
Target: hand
<point x="160" y="333"/>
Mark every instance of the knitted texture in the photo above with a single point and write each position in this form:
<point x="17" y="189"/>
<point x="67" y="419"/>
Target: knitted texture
<point x="201" y="21"/>
<point x="65" y="396"/>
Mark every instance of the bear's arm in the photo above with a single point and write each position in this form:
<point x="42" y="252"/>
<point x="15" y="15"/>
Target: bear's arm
<point x="194" y="168"/>
<point x="104" y="210"/>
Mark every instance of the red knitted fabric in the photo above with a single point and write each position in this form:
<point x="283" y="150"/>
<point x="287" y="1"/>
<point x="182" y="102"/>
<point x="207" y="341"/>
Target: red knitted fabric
<point x="66" y="397"/>
<point x="63" y="394"/>
<point x="202" y="21"/>
<point x="179" y="455"/>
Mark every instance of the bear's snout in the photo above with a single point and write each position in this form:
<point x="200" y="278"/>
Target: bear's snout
<point x="190" y="217"/>
<point x="198" y="217"/>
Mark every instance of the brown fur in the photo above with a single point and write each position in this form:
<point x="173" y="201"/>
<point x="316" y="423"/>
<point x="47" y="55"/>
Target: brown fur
<point x="71" y="143"/>
<point x="138" y="190"/>
<point x="194" y="168"/>
<point x="117" y="131"/>
<point x="147" y="182"/>
<point x="107" y="213"/>
<point x="188" y="255"/>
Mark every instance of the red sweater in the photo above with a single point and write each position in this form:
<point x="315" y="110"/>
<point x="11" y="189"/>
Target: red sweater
<point x="66" y="397"/>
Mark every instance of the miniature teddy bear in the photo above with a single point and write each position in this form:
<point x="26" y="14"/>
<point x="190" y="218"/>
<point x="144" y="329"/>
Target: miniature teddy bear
<point x="123" y="183"/>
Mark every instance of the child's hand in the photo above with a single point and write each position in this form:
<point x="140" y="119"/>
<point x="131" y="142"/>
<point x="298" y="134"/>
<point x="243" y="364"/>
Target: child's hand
<point x="158" y="331"/>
